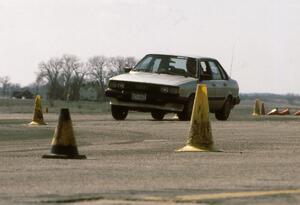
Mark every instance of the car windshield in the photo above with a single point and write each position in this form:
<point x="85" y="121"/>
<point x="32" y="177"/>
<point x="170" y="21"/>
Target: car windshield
<point x="173" y="65"/>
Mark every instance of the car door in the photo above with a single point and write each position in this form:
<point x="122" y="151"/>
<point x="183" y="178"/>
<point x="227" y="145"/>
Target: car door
<point x="219" y="82"/>
<point x="206" y="78"/>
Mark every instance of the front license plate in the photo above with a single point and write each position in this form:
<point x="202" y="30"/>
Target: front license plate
<point x="138" y="96"/>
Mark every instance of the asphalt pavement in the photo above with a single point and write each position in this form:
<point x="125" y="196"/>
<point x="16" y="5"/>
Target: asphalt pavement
<point x="134" y="162"/>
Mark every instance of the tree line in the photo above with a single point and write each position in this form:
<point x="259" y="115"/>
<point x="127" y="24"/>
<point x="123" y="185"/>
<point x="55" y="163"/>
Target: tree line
<point x="6" y="87"/>
<point x="64" y="77"/>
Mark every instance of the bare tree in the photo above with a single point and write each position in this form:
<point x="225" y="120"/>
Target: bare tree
<point x="119" y="63"/>
<point x="37" y="84"/>
<point x="96" y="66"/>
<point x="65" y="76"/>
<point x="130" y="61"/>
<point x="78" y="80"/>
<point x="5" y="82"/>
<point x="14" y="87"/>
<point x="50" y="71"/>
<point x="70" y="63"/>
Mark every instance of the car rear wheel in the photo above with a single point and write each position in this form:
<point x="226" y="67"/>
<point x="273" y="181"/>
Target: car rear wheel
<point x="224" y="113"/>
<point x="158" y="115"/>
<point x="187" y="110"/>
<point x="119" y="112"/>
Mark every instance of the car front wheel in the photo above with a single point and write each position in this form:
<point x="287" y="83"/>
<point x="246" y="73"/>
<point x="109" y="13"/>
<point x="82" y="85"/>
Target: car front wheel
<point x="119" y="112"/>
<point x="187" y="110"/>
<point x="224" y="113"/>
<point x="157" y="115"/>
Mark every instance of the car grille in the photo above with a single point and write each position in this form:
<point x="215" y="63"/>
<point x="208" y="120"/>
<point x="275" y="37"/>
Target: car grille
<point x="142" y="87"/>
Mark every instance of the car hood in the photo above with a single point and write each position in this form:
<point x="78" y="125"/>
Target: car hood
<point x="153" y="78"/>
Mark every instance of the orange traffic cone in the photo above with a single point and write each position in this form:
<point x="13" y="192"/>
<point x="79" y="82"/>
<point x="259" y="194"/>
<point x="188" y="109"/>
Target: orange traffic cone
<point x="256" y="108"/>
<point x="262" y="109"/>
<point x="64" y="143"/>
<point x="297" y="113"/>
<point x="38" y="118"/>
<point x="284" y="112"/>
<point x="200" y="134"/>
<point x="273" y="112"/>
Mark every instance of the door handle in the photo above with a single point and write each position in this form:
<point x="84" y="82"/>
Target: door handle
<point x="213" y="84"/>
<point x="225" y="84"/>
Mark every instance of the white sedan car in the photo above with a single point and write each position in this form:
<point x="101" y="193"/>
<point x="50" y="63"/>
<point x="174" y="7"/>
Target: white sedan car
<point x="163" y="84"/>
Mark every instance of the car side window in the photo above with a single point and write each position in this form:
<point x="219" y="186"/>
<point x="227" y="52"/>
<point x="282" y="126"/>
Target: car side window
<point x="156" y="65"/>
<point x="205" y="73"/>
<point x="224" y="74"/>
<point x="203" y="66"/>
<point x="215" y="71"/>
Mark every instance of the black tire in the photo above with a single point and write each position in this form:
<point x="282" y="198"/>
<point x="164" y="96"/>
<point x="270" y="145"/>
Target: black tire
<point x="187" y="110"/>
<point x="119" y="112"/>
<point x="224" y="113"/>
<point x="157" y="115"/>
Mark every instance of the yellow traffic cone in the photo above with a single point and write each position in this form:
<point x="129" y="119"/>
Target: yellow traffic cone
<point x="38" y="118"/>
<point x="273" y="112"/>
<point x="200" y="134"/>
<point x="262" y="109"/>
<point x="64" y="143"/>
<point x="297" y="113"/>
<point x="256" y="108"/>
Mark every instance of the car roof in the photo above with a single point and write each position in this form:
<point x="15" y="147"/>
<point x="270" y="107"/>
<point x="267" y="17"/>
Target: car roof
<point x="189" y="56"/>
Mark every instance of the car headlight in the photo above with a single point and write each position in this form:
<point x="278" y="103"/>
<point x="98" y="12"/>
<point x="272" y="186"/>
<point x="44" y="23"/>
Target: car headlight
<point x="170" y="90"/>
<point x="121" y="85"/>
<point x="164" y="89"/>
<point x="112" y="84"/>
<point x="116" y="85"/>
<point x="173" y="90"/>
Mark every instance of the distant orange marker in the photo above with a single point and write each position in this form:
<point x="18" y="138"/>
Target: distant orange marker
<point x="297" y="113"/>
<point x="284" y="112"/>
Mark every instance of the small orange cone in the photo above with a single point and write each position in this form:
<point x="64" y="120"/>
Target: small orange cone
<point x="262" y="109"/>
<point x="284" y="112"/>
<point x="200" y="134"/>
<point x="297" y="113"/>
<point x="64" y="143"/>
<point x="256" y="108"/>
<point x="38" y="118"/>
<point x="273" y="112"/>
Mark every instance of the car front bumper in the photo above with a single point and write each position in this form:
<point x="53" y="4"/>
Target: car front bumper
<point x="166" y="102"/>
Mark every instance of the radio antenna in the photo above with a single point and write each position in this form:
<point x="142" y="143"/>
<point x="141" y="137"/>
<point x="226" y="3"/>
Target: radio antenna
<point x="232" y="57"/>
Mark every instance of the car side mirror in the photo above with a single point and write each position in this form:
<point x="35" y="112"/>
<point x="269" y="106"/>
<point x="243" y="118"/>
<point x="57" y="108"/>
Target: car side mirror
<point x="205" y="77"/>
<point x="127" y="69"/>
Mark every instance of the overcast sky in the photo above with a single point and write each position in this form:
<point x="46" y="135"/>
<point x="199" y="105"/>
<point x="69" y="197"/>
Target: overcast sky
<point x="262" y="36"/>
